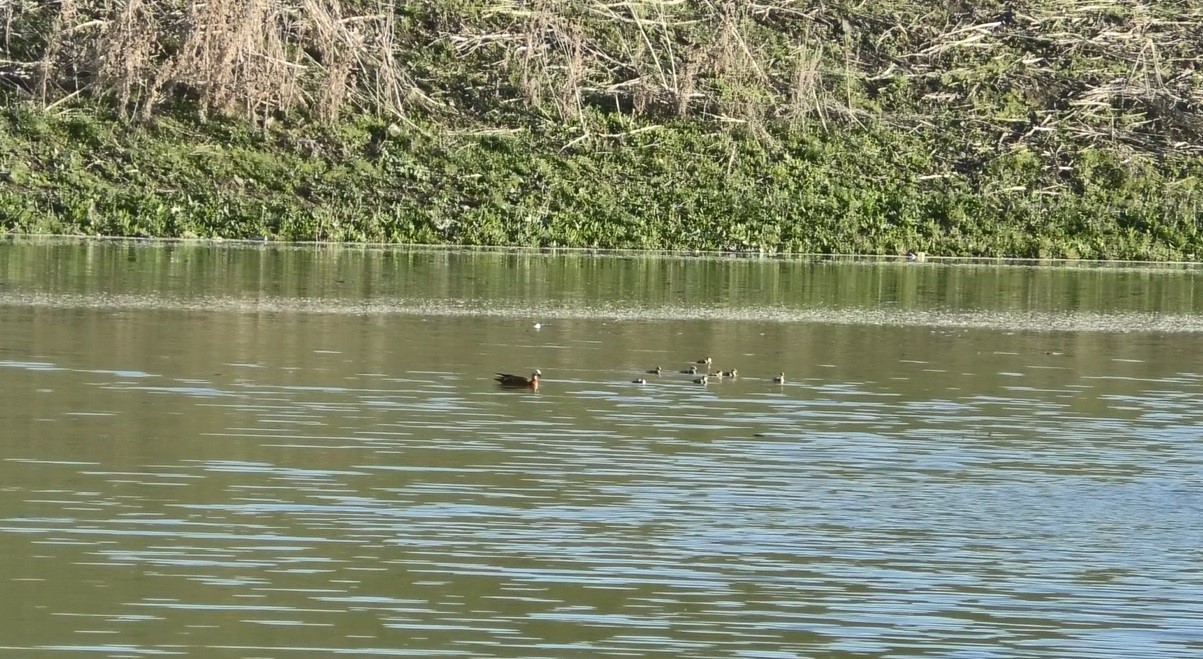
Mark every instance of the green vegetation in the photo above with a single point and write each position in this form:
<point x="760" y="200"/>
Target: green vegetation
<point x="1046" y="128"/>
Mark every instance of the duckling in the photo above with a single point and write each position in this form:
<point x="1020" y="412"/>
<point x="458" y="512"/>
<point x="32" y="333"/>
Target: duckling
<point x="780" y="379"/>
<point x="639" y="381"/>
<point x="655" y="371"/>
<point x="692" y="370"/>
<point x="707" y="361"/>
<point x="717" y="375"/>
<point x="733" y="373"/>
<point x="702" y="380"/>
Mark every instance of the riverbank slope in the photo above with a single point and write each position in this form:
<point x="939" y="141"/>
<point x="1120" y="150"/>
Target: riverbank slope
<point x="1049" y="129"/>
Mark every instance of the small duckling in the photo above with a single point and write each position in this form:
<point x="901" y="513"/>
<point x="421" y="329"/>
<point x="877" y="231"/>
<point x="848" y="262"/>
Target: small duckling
<point x="780" y="379"/>
<point x="692" y="370"/>
<point x="717" y="375"/>
<point x="655" y="371"/>
<point x="707" y="361"/>
<point x="702" y="380"/>
<point x="639" y="381"/>
<point x="733" y="373"/>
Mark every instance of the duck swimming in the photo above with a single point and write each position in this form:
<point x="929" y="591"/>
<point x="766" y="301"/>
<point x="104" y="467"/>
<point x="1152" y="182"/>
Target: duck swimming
<point x="655" y="371"/>
<point x="731" y="373"/>
<point x="707" y="361"/>
<point x="780" y="379"/>
<point x="705" y="379"/>
<point x="692" y="370"/>
<point x="639" y="381"/>
<point x="519" y="382"/>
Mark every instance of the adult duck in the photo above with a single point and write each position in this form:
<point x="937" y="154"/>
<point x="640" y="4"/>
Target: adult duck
<point x="518" y="382"/>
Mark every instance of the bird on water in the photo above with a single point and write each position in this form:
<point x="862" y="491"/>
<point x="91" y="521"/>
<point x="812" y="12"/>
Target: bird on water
<point x="519" y="382"/>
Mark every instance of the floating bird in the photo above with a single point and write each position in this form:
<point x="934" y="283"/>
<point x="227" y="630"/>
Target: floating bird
<point x="731" y="373"/>
<point x="780" y="379"/>
<point x="692" y="370"/>
<point x="707" y="361"/>
<point x="517" y="381"/>
<point x="717" y="375"/>
<point x="655" y="370"/>
<point x="702" y="380"/>
<point x="537" y="326"/>
<point x="639" y="381"/>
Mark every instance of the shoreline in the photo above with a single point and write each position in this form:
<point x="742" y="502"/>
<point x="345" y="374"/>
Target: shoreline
<point x="601" y="252"/>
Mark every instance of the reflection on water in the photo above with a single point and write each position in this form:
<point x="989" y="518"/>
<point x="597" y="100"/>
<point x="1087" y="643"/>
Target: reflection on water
<point x="286" y="483"/>
<point x="565" y="285"/>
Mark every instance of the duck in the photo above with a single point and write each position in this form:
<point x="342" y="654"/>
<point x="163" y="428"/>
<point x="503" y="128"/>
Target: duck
<point x="518" y="381"/>
<point x="655" y="371"/>
<point x="639" y="381"/>
<point x="780" y="378"/>
<point x="717" y="375"/>
<point x="707" y="361"/>
<point x="705" y="379"/>
<point x="692" y="370"/>
<point x="731" y="373"/>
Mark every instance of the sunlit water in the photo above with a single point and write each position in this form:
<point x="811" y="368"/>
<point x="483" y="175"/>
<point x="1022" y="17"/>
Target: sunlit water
<point x="277" y="464"/>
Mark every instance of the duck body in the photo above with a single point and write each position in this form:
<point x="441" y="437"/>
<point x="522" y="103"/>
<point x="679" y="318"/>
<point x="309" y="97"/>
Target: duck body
<point x="512" y="381"/>
<point x="705" y="379"/>
<point x="655" y="371"/>
<point x="639" y="381"/>
<point x="731" y="373"/>
<point x="692" y="370"/>
<point x="780" y="378"/>
<point x="707" y="361"/>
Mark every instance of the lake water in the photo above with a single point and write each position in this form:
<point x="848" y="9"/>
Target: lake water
<point x="248" y="451"/>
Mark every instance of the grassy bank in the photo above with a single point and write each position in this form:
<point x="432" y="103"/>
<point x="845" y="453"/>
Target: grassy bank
<point x="783" y="126"/>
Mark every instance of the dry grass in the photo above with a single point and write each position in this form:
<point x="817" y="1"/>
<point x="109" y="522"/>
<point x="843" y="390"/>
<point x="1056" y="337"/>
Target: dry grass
<point x="1127" y="71"/>
<point x="251" y="58"/>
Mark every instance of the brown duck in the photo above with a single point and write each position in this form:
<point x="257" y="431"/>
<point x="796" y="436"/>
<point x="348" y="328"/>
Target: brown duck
<point x="517" y="381"/>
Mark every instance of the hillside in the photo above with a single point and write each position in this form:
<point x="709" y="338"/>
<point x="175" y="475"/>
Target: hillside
<point x="1044" y="128"/>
